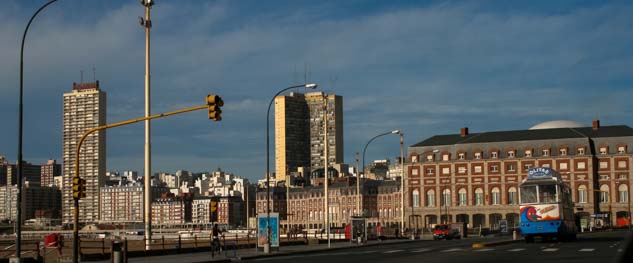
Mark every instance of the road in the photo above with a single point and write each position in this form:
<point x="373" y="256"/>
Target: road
<point x="592" y="247"/>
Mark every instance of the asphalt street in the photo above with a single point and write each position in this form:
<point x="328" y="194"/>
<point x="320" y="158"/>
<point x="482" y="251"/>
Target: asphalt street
<point x="593" y="247"/>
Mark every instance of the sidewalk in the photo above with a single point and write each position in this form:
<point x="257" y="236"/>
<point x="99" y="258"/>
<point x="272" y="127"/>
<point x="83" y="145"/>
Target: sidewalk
<point x="251" y="253"/>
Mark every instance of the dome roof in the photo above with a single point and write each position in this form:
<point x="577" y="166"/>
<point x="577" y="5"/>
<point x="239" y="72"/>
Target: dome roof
<point x="557" y="124"/>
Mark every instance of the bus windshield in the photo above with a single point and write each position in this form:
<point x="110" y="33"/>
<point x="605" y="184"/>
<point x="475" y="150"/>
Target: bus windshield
<point x="528" y="194"/>
<point x="547" y="193"/>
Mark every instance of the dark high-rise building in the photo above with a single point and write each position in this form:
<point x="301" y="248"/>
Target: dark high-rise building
<point x="49" y="171"/>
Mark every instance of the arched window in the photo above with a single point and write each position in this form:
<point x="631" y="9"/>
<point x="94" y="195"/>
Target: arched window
<point x="430" y="198"/>
<point x="446" y="197"/>
<point x="512" y="196"/>
<point x="463" y="199"/>
<point x="415" y="198"/>
<point x="604" y="194"/>
<point x="582" y="194"/>
<point x="496" y="196"/>
<point x="479" y="196"/>
<point x="623" y="193"/>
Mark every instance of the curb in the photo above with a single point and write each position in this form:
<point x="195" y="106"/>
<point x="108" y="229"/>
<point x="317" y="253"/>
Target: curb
<point x="309" y="251"/>
<point x="495" y="243"/>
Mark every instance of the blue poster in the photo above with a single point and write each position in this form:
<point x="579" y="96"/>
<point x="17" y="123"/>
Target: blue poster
<point x="262" y="229"/>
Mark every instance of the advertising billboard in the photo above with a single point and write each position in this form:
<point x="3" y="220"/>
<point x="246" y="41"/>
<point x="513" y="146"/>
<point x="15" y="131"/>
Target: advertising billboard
<point x="262" y="229"/>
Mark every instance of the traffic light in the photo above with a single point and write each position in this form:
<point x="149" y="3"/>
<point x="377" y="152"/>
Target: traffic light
<point x="213" y="211"/>
<point x="214" y="102"/>
<point x="79" y="188"/>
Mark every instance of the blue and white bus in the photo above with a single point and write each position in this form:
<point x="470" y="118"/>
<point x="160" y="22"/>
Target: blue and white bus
<point x="546" y="208"/>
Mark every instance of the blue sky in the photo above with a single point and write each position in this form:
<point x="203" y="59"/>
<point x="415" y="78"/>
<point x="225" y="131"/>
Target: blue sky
<point x="423" y="67"/>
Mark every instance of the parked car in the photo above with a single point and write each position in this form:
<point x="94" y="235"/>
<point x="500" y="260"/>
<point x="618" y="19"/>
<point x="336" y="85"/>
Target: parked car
<point x="447" y="231"/>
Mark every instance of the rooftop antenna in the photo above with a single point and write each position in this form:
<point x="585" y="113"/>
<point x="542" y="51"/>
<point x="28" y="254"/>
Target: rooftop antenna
<point x="81" y="78"/>
<point x="94" y="74"/>
<point x="294" y="76"/>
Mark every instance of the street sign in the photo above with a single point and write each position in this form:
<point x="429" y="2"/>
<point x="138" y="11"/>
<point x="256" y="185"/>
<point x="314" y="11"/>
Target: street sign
<point x="503" y="226"/>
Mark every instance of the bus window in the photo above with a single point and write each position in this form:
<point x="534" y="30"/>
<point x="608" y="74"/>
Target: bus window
<point x="528" y="194"/>
<point x="547" y="193"/>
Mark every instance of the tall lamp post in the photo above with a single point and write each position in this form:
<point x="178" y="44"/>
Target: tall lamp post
<point x="367" y="144"/>
<point x="309" y="86"/>
<point x="18" y="228"/>
<point x="147" y="24"/>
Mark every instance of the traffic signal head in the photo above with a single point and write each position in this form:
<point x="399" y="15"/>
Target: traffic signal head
<point x="214" y="102"/>
<point x="213" y="211"/>
<point x="79" y="188"/>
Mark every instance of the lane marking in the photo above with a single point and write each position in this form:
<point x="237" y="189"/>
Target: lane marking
<point x="516" y="249"/>
<point x="392" y="251"/>
<point x="421" y="250"/>
<point x="452" y="250"/>
<point x="484" y="249"/>
<point x="586" y="250"/>
<point x="550" y="249"/>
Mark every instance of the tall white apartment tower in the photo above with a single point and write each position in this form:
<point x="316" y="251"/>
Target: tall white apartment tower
<point x="84" y="109"/>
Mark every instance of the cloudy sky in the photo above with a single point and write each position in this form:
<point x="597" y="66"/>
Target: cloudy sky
<point x="425" y="68"/>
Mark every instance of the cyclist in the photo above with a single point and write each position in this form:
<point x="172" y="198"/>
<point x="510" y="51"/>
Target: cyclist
<point x="216" y="232"/>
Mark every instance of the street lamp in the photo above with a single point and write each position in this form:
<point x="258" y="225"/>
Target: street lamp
<point x="18" y="228"/>
<point x="309" y="86"/>
<point x="147" y="202"/>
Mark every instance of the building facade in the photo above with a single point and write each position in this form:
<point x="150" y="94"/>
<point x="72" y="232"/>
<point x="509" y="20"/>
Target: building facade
<point x="474" y="178"/>
<point x="304" y="207"/>
<point x="299" y="132"/>
<point x="84" y="109"/>
<point x="36" y="200"/>
<point x="49" y="171"/>
<point x="124" y="204"/>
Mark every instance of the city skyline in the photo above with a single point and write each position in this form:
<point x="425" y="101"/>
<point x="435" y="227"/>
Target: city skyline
<point x="399" y="66"/>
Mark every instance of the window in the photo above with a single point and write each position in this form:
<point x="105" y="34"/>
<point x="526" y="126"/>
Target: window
<point x="581" y="165"/>
<point x="496" y="196"/>
<point x="445" y="157"/>
<point x="429" y="158"/>
<point x="512" y="196"/>
<point x="562" y="166"/>
<point x="463" y="201"/>
<point x="528" y="194"/>
<point x="511" y="167"/>
<point x="414" y="158"/>
<point x="494" y="155"/>
<point x="510" y="154"/>
<point x="622" y="177"/>
<point x="415" y="172"/>
<point x="527" y="167"/>
<point x="545" y="165"/>
<point x="446" y="170"/>
<point x="477" y="156"/>
<point x="545" y="152"/>
<point x="623" y="193"/>
<point x="494" y="168"/>
<point x="429" y="171"/>
<point x="621" y="164"/>
<point x="582" y="194"/>
<point x="461" y="156"/>
<point x="581" y="151"/>
<point x="430" y="198"/>
<point x="461" y="169"/>
<point x="603" y="150"/>
<point x="547" y="193"/>
<point x="528" y="153"/>
<point x="479" y="196"/>
<point x="621" y="149"/>
<point x="563" y="152"/>
<point x="415" y="198"/>
<point x="446" y="197"/>
<point x="604" y="165"/>
<point x="478" y="169"/>
<point x="604" y="194"/>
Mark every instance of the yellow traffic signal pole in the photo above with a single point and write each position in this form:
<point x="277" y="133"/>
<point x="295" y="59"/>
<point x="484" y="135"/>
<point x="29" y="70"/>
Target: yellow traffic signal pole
<point x="107" y="126"/>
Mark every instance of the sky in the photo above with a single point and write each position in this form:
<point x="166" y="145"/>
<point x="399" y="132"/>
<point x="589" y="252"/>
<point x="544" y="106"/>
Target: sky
<point x="424" y="67"/>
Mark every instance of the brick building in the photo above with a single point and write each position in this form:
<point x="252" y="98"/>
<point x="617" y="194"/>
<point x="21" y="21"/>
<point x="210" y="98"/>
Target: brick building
<point x="474" y="177"/>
